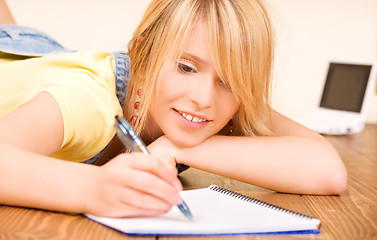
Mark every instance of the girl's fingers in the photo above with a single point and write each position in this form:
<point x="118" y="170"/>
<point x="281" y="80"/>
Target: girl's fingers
<point x="151" y="164"/>
<point x="142" y="201"/>
<point x="132" y="211"/>
<point x="137" y="184"/>
<point x="148" y="163"/>
<point x="150" y="184"/>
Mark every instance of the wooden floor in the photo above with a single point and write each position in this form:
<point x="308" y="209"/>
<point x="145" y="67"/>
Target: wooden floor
<point x="352" y="215"/>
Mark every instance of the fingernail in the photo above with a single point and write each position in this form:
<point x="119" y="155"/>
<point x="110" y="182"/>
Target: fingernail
<point x="177" y="185"/>
<point x="177" y="199"/>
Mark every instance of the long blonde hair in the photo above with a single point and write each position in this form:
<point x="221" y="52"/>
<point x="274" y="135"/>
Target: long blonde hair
<point x="242" y="50"/>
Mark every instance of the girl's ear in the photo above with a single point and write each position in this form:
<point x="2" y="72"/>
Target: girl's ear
<point x="139" y="40"/>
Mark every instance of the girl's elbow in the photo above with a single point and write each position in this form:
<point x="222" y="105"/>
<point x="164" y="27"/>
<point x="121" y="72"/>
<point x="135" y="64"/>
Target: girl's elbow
<point x="335" y="181"/>
<point x="335" y="177"/>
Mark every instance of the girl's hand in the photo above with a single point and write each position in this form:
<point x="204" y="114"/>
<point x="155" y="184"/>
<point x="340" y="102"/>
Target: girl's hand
<point x="133" y="184"/>
<point x="165" y="150"/>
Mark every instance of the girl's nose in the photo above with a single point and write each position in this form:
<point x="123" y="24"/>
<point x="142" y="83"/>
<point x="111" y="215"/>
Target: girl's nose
<point x="203" y="91"/>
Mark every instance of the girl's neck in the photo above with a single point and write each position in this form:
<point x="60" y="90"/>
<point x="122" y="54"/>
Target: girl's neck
<point x="151" y="131"/>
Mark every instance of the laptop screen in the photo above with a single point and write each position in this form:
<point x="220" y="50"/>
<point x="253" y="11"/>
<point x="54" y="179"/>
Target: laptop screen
<point x="345" y="86"/>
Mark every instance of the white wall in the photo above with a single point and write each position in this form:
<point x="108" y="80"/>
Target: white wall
<point x="82" y="24"/>
<point x="309" y="33"/>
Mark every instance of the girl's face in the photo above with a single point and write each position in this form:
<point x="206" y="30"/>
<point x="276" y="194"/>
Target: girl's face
<point x="192" y="101"/>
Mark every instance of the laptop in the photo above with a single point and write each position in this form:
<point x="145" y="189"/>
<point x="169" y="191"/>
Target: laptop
<point x="343" y="107"/>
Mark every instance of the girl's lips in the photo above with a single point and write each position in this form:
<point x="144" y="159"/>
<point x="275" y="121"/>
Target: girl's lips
<point x="192" y="121"/>
<point x="191" y="118"/>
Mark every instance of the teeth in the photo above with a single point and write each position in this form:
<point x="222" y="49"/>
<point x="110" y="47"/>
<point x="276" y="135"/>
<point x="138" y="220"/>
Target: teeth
<point x="191" y="118"/>
<point x="195" y="119"/>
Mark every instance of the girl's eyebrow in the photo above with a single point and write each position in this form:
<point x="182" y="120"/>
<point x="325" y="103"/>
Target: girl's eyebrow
<point x="193" y="58"/>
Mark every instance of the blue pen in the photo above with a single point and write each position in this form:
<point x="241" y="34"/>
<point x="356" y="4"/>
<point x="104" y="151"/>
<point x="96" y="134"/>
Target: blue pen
<point x="133" y="143"/>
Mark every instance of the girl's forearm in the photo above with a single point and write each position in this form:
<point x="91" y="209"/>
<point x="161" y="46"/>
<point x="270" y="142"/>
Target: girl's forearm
<point x="286" y="164"/>
<point x="33" y="180"/>
<point x="129" y="185"/>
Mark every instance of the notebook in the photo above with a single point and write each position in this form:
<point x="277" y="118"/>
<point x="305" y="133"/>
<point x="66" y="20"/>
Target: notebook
<point x="217" y="211"/>
<point x="343" y="106"/>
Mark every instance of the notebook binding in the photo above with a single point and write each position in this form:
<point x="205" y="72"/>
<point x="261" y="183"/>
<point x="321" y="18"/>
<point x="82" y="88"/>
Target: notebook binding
<point x="255" y="201"/>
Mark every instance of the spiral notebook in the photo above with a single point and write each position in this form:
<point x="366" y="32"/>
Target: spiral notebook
<point x="217" y="211"/>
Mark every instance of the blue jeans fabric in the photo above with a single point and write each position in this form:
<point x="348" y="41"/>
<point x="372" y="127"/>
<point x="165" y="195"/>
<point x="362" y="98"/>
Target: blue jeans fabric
<point x="25" y="41"/>
<point x="29" y="42"/>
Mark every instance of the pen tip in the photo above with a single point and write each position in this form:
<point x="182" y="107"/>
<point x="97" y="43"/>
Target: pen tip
<point x="185" y="210"/>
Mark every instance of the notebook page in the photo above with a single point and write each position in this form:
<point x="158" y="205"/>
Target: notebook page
<point x="213" y="213"/>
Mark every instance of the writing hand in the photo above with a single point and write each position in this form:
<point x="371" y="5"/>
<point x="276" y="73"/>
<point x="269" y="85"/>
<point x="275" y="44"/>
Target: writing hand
<point x="133" y="185"/>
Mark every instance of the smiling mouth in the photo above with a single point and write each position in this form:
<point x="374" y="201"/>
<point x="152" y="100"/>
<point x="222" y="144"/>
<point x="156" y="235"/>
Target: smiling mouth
<point x="192" y="118"/>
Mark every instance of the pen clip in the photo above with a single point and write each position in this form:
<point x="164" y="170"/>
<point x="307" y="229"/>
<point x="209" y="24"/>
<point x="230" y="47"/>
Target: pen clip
<point x="128" y="136"/>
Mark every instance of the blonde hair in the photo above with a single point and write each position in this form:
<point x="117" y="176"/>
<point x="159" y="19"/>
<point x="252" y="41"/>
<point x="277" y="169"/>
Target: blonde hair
<point x="242" y="50"/>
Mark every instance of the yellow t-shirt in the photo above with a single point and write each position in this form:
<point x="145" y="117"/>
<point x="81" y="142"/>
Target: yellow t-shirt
<point x="82" y="84"/>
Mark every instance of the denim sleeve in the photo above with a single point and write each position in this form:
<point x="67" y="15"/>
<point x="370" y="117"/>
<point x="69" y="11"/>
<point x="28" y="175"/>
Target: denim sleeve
<point x="26" y="41"/>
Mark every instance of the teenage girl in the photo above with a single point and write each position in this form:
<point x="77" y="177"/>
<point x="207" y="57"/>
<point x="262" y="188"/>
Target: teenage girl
<point x="198" y="94"/>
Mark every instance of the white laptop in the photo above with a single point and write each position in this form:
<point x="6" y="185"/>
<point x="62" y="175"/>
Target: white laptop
<point x="343" y="107"/>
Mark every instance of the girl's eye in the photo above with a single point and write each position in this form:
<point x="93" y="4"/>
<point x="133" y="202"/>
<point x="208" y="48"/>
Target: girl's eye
<point x="223" y="83"/>
<point x="185" y="68"/>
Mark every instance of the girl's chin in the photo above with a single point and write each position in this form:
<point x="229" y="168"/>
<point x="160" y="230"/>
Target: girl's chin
<point x="184" y="143"/>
